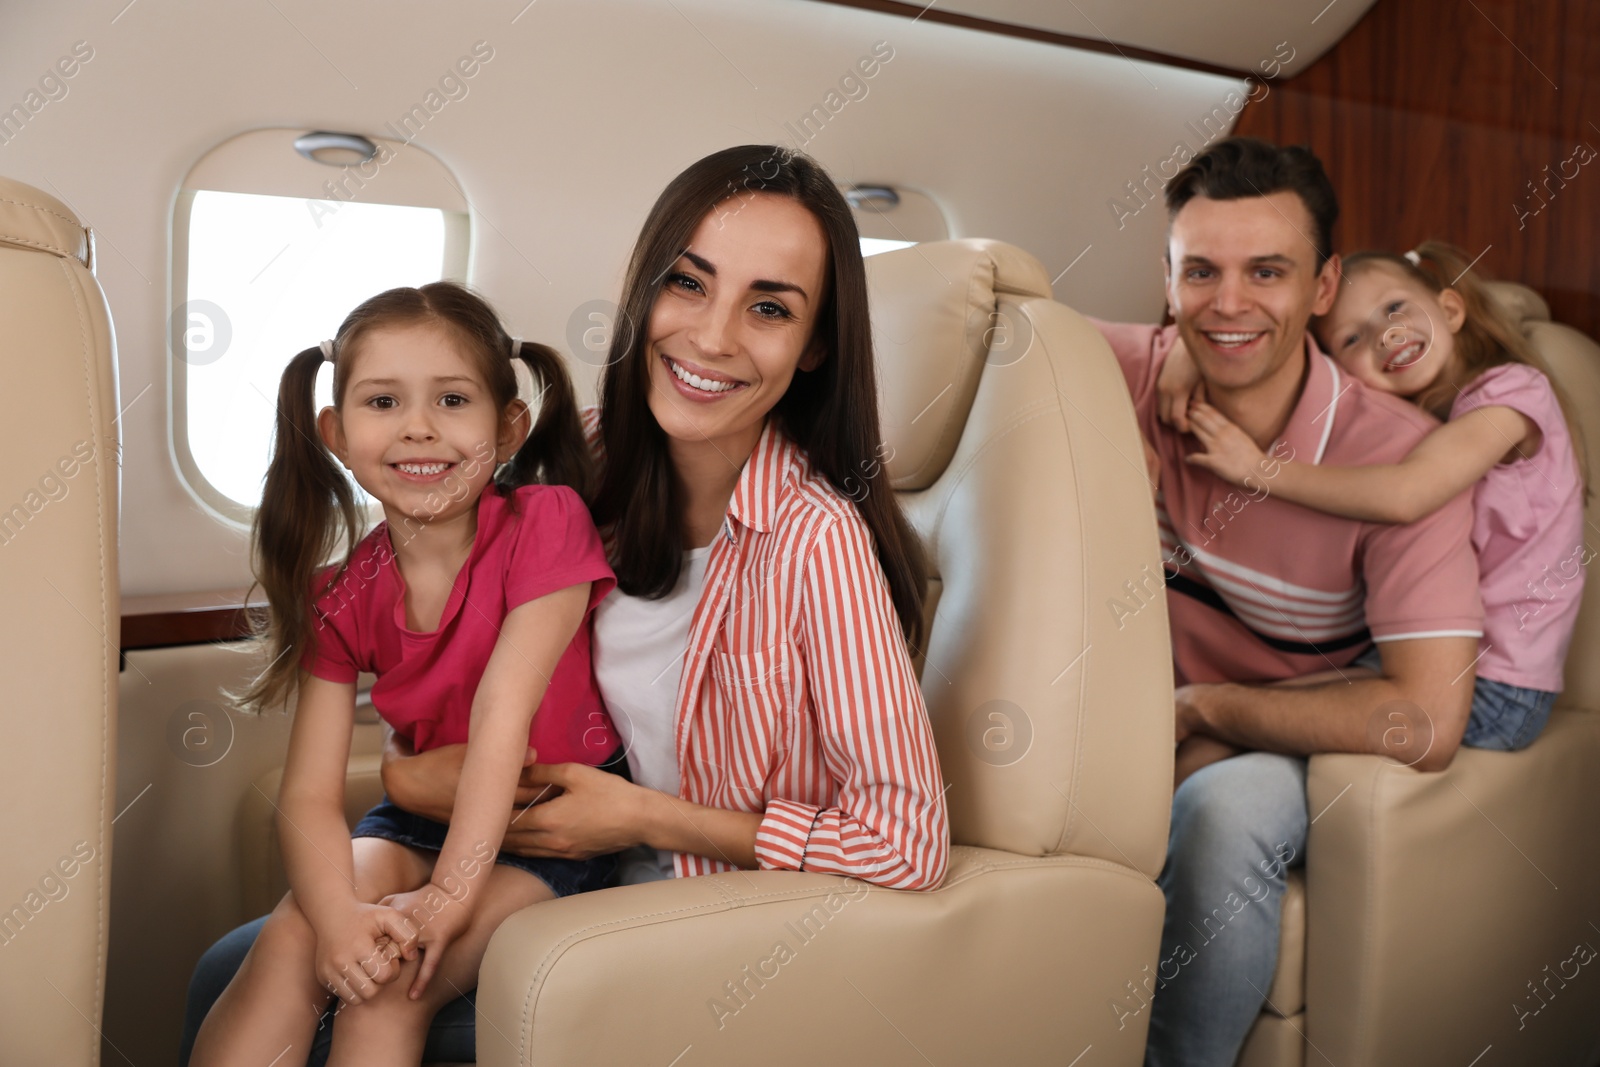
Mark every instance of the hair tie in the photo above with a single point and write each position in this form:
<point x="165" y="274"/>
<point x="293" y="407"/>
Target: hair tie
<point x="327" y="351"/>
<point x="516" y="347"/>
<point x="1414" y="258"/>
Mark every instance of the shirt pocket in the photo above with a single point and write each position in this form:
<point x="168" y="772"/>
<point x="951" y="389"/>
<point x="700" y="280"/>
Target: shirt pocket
<point x="761" y="689"/>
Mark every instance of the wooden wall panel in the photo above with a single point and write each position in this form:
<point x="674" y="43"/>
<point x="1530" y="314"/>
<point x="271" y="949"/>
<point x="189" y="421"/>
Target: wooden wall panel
<point x="1475" y="121"/>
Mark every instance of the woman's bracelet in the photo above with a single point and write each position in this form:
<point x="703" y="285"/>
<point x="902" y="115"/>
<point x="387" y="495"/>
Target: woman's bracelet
<point x="814" y="821"/>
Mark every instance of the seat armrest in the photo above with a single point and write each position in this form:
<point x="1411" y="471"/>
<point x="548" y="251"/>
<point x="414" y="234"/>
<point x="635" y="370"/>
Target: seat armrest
<point x="1400" y="935"/>
<point x="1011" y="960"/>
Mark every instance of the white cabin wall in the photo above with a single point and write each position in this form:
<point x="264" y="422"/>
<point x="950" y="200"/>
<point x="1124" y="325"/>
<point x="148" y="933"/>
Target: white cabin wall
<point x="566" y="136"/>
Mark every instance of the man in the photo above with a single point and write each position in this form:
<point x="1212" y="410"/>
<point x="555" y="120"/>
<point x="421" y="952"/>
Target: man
<point x="1261" y="591"/>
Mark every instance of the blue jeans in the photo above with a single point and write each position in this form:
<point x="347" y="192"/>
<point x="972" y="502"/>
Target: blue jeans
<point x="563" y="877"/>
<point x="1237" y="826"/>
<point x="1506" y="717"/>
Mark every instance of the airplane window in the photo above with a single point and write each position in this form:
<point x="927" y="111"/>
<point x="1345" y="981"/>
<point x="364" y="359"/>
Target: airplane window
<point x="277" y="234"/>
<point x="894" y="216"/>
<point x="871" y="246"/>
<point x="267" y="278"/>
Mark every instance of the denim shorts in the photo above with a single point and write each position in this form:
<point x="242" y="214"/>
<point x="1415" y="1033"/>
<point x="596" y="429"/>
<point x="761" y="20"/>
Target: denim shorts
<point x="1506" y="717"/>
<point x="564" y="877"/>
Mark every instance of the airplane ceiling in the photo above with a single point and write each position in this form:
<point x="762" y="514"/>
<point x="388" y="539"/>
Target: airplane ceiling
<point x="1237" y="35"/>
<point x="579" y="113"/>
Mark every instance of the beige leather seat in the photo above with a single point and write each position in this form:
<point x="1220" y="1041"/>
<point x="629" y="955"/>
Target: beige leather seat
<point x="1442" y="914"/>
<point x="58" y="651"/>
<point x="1015" y="451"/>
<point x="1016" y="454"/>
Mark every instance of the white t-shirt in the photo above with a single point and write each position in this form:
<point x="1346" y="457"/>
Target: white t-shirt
<point x="638" y="653"/>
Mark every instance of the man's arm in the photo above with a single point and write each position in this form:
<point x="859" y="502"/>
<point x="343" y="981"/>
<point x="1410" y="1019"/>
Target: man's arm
<point x="1415" y="712"/>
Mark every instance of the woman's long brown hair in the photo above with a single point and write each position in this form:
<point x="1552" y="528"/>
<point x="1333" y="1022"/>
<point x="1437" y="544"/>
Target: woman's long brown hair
<point x="309" y="515"/>
<point x="1488" y="337"/>
<point x="830" y="412"/>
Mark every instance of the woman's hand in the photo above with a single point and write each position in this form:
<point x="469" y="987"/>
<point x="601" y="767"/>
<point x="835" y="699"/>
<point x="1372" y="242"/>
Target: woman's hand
<point x="361" y="950"/>
<point x="1178" y="384"/>
<point x="426" y="784"/>
<point x="423" y="784"/>
<point x="440" y="915"/>
<point x="576" y="812"/>
<point x="1229" y="453"/>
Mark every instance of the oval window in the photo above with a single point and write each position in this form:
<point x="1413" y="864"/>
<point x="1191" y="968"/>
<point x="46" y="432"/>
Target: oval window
<point x="271" y="249"/>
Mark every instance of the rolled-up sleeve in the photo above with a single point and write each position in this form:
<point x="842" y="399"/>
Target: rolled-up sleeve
<point x="890" y="825"/>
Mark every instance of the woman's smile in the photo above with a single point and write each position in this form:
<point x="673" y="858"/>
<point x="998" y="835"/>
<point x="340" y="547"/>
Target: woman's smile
<point x="699" y="383"/>
<point x="732" y="322"/>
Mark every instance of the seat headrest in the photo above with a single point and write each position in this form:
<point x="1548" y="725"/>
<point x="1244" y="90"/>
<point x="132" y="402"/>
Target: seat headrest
<point x="33" y="219"/>
<point x="1524" y="304"/>
<point x="936" y="317"/>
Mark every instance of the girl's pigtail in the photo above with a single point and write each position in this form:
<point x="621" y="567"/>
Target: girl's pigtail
<point x="1491" y="335"/>
<point x="555" y="452"/>
<point x="307" y="512"/>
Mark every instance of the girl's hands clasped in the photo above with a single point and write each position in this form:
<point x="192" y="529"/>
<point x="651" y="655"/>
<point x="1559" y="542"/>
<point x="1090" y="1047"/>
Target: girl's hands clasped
<point x="440" y="915"/>
<point x="361" y="950"/>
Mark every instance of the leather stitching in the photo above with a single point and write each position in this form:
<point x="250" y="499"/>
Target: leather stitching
<point x="1070" y="825"/>
<point x="1013" y="422"/>
<point x="45" y="210"/>
<point x="967" y="370"/>
<point x="69" y="220"/>
<point x="11" y="238"/>
<point x="536" y="981"/>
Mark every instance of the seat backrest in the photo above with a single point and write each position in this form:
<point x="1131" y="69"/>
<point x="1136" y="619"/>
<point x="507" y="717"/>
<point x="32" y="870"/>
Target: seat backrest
<point x="1574" y="362"/>
<point x="1013" y="446"/>
<point x="58" y="632"/>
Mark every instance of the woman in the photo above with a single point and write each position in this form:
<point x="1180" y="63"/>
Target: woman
<point x="754" y="658"/>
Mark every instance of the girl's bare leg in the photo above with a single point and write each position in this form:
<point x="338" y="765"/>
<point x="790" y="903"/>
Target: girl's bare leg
<point x="270" y="1011"/>
<point x="390" y="1028"/>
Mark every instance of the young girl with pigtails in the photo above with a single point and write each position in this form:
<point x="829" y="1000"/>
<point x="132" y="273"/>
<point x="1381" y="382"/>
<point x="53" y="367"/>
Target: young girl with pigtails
<point x="471" y="603"/>
<point x="1425" y="327"/>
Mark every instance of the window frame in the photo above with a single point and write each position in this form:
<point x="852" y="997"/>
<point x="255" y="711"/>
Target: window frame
<point x="916" y="217"/>
<point x="265" y="162"/>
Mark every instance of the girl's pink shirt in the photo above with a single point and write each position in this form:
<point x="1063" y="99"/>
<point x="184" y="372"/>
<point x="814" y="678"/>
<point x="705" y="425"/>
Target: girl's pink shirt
<point x="426" y="681"/>
<point x="1528" y="532"/>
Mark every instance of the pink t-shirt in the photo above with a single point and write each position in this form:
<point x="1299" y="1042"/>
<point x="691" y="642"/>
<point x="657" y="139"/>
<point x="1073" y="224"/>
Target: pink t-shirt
<point x="1259" y="589"/>
<point x="1528" y="531"/>
<point x="426" y="681"/>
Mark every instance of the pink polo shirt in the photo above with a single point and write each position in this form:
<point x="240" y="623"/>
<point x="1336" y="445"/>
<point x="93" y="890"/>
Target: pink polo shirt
<point x="426" y="681"/>
<point x="1528" y="532"/>
<point x="1259" y="589"/>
